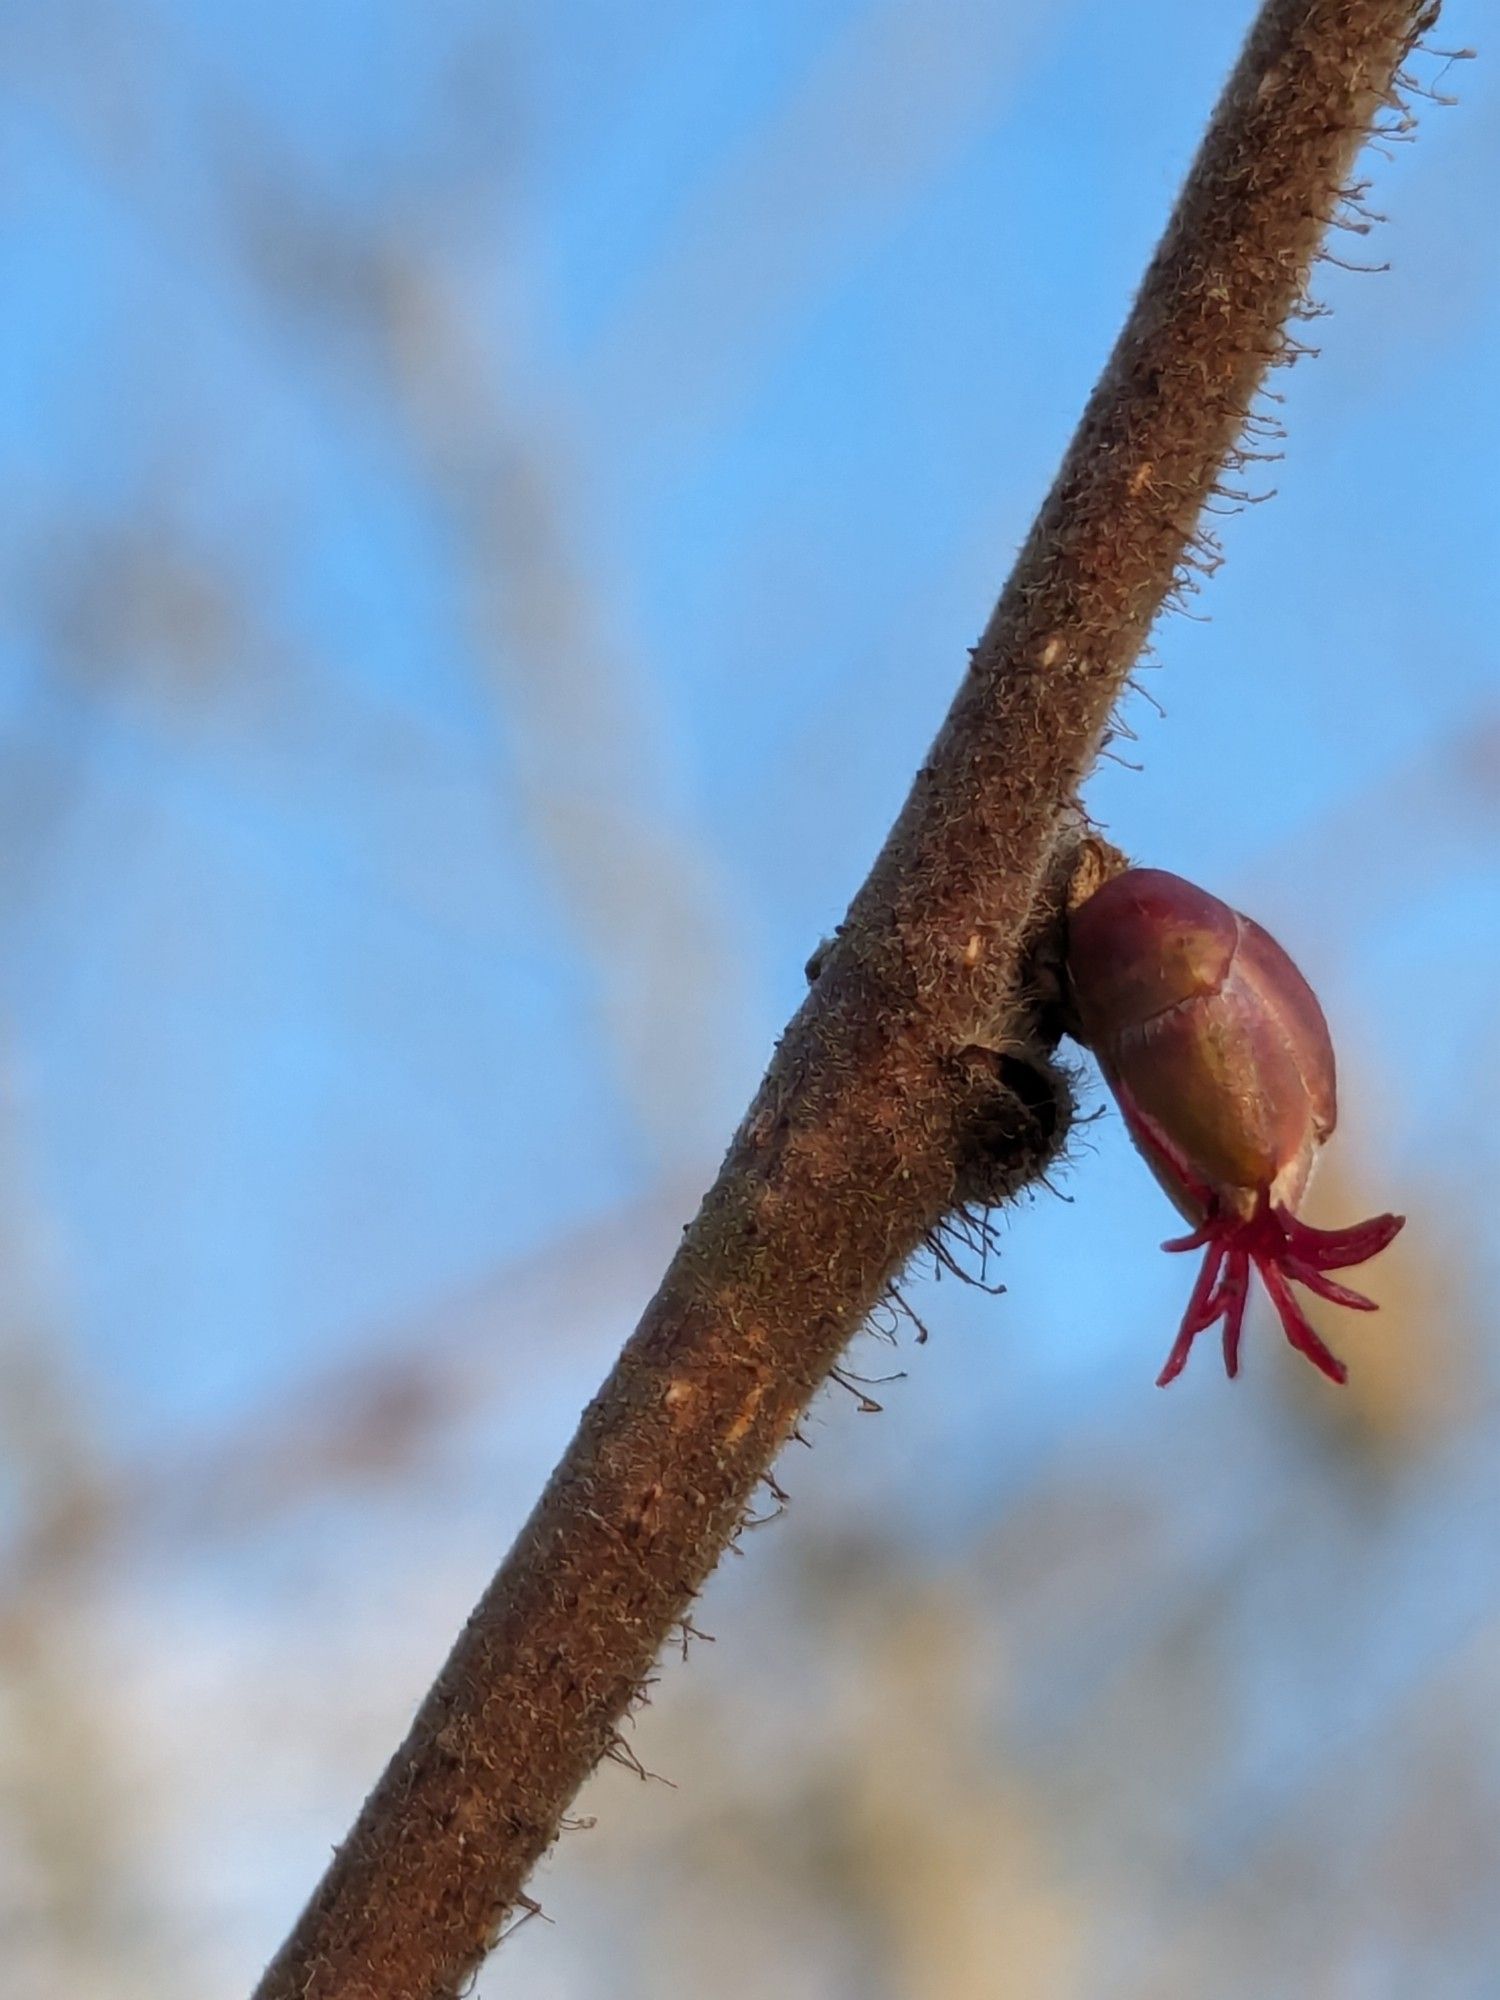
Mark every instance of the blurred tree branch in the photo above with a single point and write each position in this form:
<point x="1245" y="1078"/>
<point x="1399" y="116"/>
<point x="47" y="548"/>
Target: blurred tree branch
<point x="915" y="1079"/>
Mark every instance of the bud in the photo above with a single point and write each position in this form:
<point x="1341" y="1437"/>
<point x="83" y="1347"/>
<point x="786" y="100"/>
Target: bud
<point x="1219" y="1056"/>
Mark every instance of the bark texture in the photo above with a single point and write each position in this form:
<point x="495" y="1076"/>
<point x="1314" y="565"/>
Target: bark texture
<point x="915" y="1077"/>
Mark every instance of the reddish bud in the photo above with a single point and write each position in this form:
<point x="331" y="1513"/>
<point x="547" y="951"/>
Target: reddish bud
<point x="1219" y="1056"/>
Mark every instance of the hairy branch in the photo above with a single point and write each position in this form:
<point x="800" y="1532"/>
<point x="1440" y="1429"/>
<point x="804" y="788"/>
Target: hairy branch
<point x="915" y="1078"/>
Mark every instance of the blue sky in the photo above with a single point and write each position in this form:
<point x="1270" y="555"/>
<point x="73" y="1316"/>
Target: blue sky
<point x="327" y="988"/>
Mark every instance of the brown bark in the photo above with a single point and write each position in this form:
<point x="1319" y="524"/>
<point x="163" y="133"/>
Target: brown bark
<point x="915" y="1076"/>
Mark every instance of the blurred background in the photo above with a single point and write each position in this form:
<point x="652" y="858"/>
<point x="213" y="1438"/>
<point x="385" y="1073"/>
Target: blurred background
<point x="495" y="501"/>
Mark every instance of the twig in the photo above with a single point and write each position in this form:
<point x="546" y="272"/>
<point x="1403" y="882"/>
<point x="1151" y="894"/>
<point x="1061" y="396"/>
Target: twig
<point x="914" y="1079"/>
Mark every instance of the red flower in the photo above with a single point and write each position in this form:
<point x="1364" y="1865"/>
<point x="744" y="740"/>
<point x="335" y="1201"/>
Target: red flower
<point x="1218" y="1054"/>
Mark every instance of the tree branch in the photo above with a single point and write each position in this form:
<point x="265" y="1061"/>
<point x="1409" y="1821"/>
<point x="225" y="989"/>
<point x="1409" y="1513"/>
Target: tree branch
<point x="915" y="1078"/>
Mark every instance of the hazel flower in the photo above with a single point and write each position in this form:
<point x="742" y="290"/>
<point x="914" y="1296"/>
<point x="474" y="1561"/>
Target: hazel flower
<point x="1218" y="1054"/>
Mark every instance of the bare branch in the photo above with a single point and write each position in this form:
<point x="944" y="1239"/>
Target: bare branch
<point x="914" y="1079"/>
